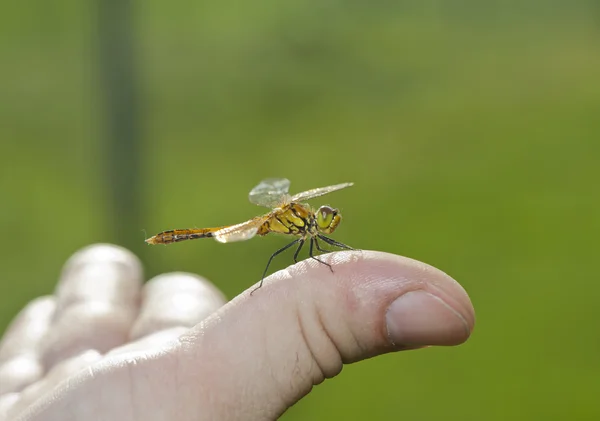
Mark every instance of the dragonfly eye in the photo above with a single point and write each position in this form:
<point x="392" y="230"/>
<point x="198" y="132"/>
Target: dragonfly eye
<point x="327" y="219"/>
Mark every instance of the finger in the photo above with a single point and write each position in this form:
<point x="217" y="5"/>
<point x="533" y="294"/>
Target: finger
<point x="175" y="299"/>
<point x="19" y="372"/>
<point x="6" y="403"/>
<point x="57" y="375"/>
<point x="97" y="301"/>
<point x="19" y="354"/>
<point x="152" y="342"/>
<point x="303" y="325"/>
<point x="25" y="332"/>
<point x="103" y="273"/>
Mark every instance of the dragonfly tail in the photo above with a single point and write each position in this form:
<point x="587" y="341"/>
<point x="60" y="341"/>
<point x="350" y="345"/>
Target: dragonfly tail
<point x="174" y="236"/>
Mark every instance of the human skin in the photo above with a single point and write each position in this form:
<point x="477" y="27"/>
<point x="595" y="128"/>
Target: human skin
<point x="106" y="346"/>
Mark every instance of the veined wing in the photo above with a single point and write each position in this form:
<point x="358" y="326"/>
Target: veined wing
<point x="270" y="193"/>
<point x="320" y="191"/>
<point x="240" y="232"/>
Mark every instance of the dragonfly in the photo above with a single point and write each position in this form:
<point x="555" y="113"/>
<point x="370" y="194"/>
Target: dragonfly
<point x="289" y="215"/>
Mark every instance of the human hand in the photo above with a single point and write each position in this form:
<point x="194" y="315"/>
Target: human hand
<point x="104" y="347"/>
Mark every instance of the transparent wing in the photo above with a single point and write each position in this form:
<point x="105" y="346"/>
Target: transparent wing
<point x="270" y="193"/>
<point x="320" y="191"/>
<point x="240" y="232"/>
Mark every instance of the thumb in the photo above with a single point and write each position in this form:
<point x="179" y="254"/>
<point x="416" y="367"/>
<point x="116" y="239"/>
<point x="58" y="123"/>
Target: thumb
<point x="262" y="353"/>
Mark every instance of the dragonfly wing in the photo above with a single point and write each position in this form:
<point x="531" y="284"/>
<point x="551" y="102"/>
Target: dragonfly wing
<point x="270" y="193"/>
<point x="320" y="191"/>
<point x="240" y="232"/>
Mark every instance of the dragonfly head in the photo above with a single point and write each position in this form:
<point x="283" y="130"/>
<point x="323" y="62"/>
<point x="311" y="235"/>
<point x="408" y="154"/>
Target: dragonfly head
<point x="328" y="219"/>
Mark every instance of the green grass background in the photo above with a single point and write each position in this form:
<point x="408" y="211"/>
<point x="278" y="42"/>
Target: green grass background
<point x="471" y="131"/>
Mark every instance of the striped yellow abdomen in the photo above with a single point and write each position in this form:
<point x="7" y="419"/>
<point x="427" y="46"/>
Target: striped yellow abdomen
<point x="173" y="236"/>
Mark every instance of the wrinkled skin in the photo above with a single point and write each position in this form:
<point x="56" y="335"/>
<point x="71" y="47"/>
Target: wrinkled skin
<point x="107" y="346"/>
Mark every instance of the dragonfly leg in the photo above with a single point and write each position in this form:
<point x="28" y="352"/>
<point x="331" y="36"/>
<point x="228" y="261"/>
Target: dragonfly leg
<point x="313" y="240"/>
<point x="318" y="246"/>
<point x="298" y="250"/>
<point x="271" y="258"/>
<point x="332" y="242"/>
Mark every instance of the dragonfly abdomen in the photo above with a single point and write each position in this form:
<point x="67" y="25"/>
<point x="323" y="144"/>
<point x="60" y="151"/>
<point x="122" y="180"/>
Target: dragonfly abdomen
<point x="174" y="236"/>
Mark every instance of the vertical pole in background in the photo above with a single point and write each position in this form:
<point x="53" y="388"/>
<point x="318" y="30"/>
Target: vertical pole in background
<point x="116" y="58"/>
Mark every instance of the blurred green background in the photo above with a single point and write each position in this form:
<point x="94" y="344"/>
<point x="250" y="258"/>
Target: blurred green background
<point x="471" y="131"/>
